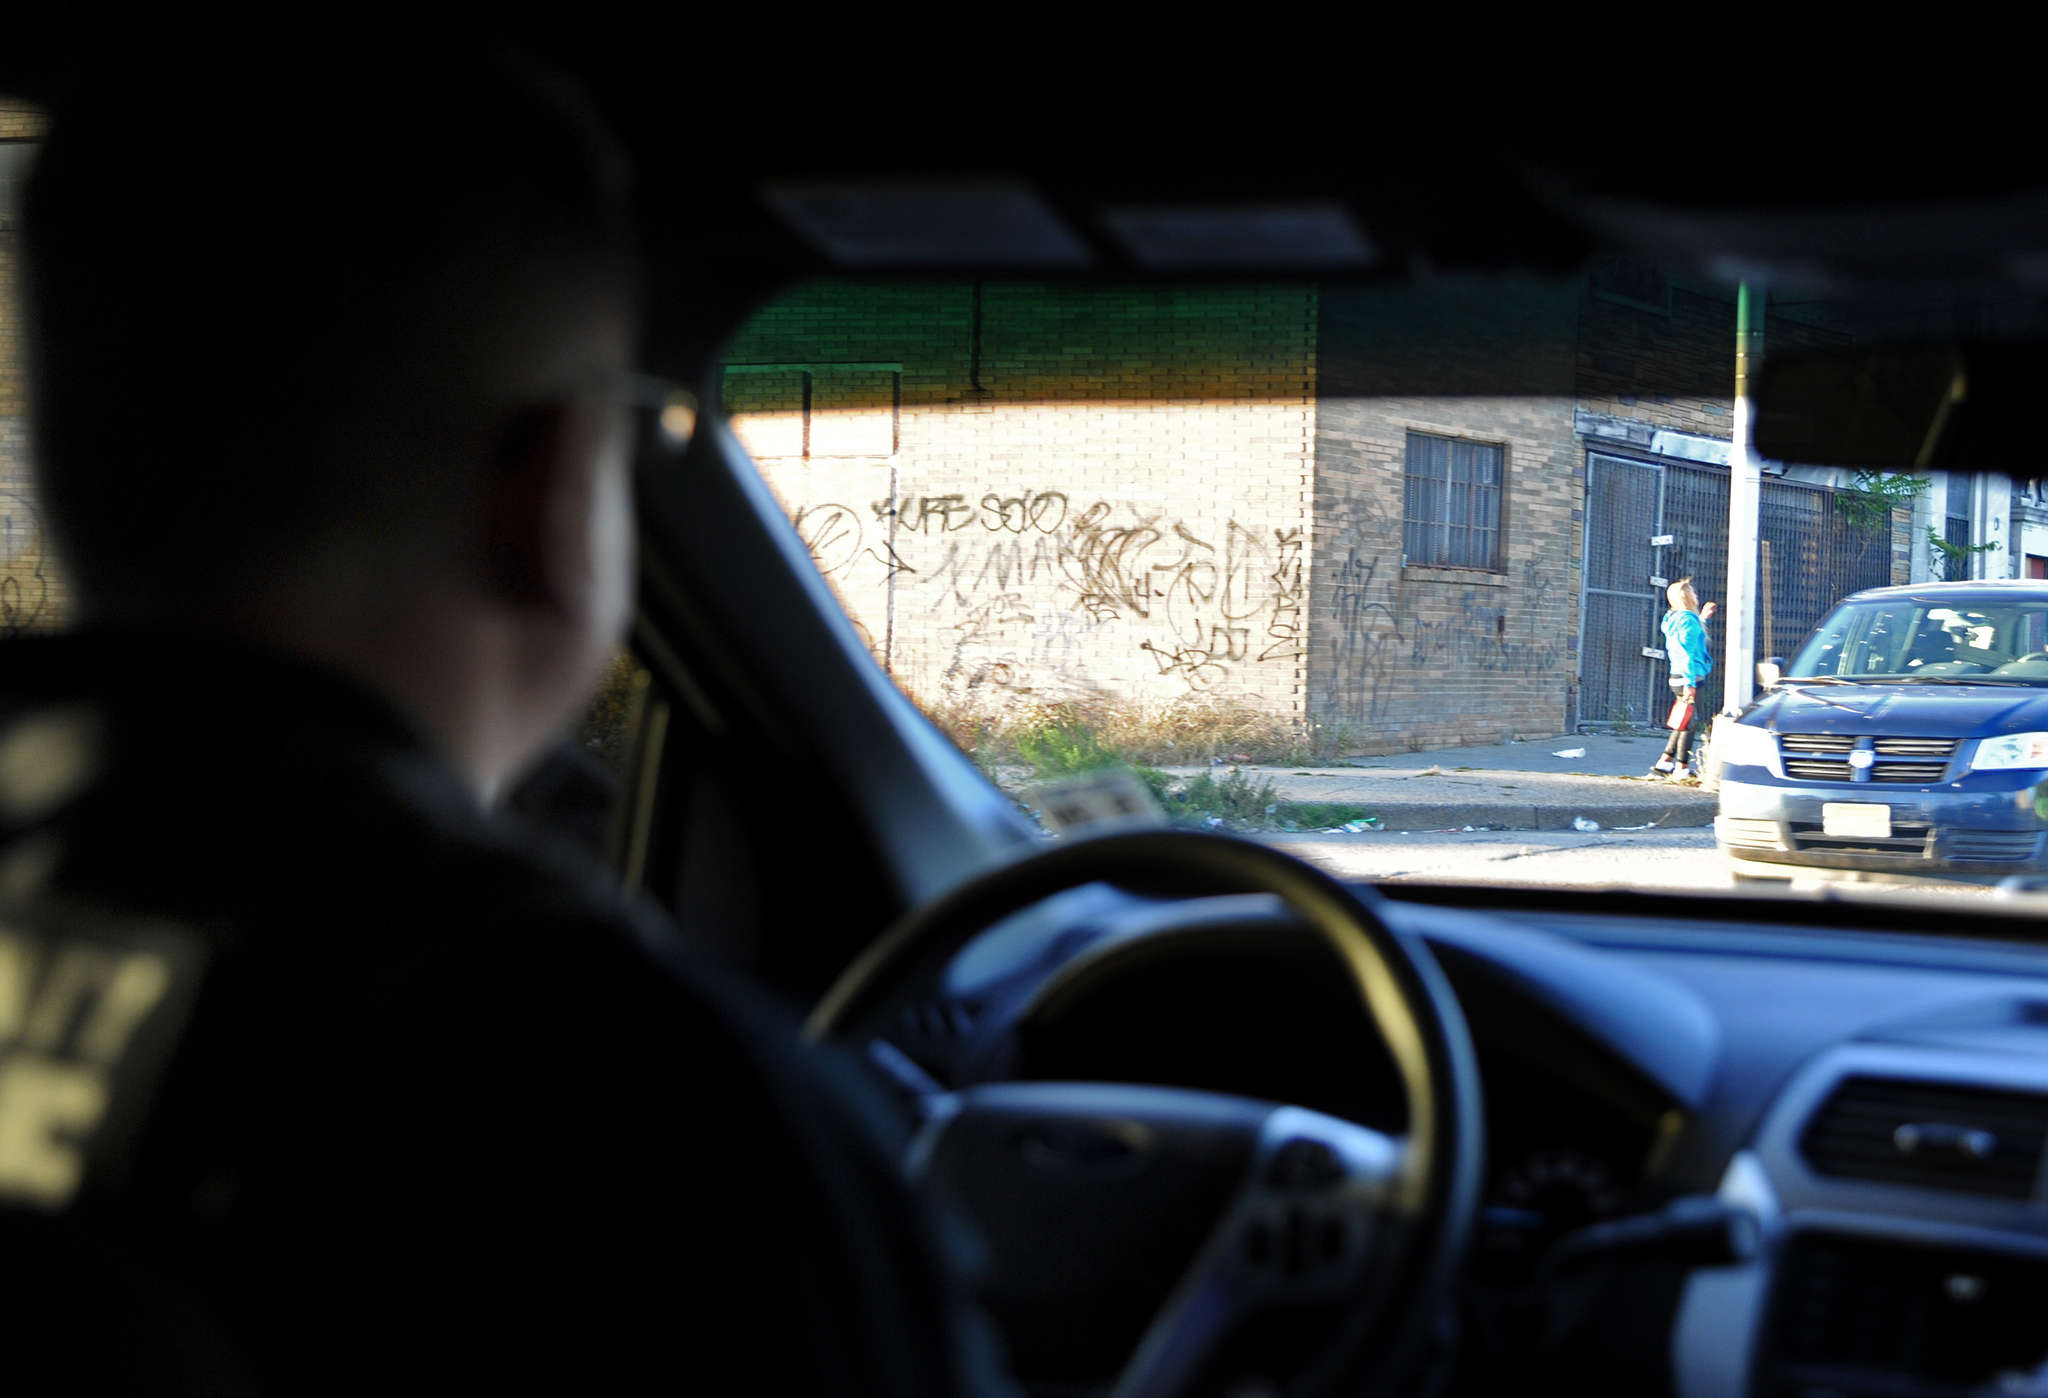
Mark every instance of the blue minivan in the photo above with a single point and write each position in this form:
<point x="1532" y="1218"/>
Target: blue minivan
<point x="1909" y="736"/>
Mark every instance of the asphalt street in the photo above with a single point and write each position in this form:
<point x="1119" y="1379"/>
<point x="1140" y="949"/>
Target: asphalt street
<point x="1652" y="859"/>
<point x="1655" y="860"/>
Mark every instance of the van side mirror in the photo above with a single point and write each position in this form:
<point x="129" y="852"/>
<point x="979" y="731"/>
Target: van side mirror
<point x="1768" y="671"/>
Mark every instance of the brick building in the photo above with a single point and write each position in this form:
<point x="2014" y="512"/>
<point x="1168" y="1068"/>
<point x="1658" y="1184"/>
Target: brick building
<point x="1361" y="508"/>
<point x="1444" y="597"/>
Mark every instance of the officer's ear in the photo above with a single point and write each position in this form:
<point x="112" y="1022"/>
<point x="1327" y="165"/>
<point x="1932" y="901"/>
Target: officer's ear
<point x="543" y="481"/>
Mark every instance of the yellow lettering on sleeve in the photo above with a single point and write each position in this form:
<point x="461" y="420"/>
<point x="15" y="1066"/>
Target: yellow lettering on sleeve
<point x="46" y="1109"/>
<point x="139" y="981"/>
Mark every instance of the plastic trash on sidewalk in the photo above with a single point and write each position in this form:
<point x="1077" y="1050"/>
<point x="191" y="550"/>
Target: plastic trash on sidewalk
<point x="1580" y="823"/>
<point x="1214" y="822"/>
<point x="1569" y="752"/>
<point x="1359" y="827"/>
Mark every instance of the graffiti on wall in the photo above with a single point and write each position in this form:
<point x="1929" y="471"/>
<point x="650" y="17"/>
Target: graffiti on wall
<point x="27" y="596"/>
<point x="1029" y="587"/>
<point x="24" y="582"/>
<point x="1381" y="634"/>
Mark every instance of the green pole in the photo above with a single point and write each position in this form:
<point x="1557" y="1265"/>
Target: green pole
<point x="1744" y="499"/>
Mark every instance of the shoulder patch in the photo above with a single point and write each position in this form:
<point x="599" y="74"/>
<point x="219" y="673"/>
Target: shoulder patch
<point x="91" y="1008"/>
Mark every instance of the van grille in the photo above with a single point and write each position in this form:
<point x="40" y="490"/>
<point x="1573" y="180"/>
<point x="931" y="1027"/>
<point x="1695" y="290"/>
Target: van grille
<point x="1943" y="748"/>
<point x="1991" y="846"/>
<point x="1907" y="840"/>
<point x="1913" y="773"/>
<point x="1815" y="742"/>
<point x="1824" y="757"/>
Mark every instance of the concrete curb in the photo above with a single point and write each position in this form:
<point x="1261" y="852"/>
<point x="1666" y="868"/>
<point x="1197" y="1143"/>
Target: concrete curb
<point x="1691" y="812"/>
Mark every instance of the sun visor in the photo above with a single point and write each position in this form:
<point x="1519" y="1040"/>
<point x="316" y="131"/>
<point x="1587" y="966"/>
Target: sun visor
<point x="929" y="224"/>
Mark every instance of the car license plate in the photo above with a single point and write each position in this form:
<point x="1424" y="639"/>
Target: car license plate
<point x="1856" y="820"/>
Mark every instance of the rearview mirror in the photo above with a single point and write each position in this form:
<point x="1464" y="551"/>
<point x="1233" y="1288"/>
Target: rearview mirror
<point x="1943" y="407"/>
<point x="1768" y="671"/>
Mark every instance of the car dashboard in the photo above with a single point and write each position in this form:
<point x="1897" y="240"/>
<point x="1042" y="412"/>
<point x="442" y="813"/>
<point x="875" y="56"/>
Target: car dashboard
<point x="1877" y="1101"/>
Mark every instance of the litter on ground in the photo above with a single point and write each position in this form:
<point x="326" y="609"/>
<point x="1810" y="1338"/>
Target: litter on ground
<point x="1580" y="823"/>
<point x="1569" y="752"/>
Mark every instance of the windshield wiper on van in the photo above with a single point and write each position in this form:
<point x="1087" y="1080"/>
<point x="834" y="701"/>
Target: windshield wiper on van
<point x="1968" y="679"/>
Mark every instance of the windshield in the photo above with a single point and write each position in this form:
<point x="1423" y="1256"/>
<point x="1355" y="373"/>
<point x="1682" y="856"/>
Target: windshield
<point x="1421" y="582"/>
<point x="1912" y="638"/>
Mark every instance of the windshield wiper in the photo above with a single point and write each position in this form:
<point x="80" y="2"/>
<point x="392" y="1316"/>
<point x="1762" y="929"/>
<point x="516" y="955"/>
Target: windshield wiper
<point x="1828" y="679"/>
<point x="1969" y="679"/>
<point x="1819" y="679"/>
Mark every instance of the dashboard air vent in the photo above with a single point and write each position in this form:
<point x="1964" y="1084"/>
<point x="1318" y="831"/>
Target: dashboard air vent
<point x="1928" y="1135"/>
<point x="1868" y="1316"/>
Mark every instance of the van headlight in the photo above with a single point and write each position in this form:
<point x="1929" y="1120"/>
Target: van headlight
<point x="2009" y="751"/>
<point x="1749" y="745"/>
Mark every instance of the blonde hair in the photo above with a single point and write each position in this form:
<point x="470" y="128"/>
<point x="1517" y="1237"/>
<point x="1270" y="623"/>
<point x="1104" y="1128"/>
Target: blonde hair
<point x="1677" y="593"/>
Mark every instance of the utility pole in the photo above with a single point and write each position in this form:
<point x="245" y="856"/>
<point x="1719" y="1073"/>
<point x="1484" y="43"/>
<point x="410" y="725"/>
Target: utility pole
<point x="1745" y="495"/>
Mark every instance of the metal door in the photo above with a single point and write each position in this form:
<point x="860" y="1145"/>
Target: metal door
<point x="1618" y="680"/>
<point x="1650" y="523"/>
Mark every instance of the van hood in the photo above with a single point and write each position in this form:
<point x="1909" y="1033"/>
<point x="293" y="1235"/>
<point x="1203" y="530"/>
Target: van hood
<point x="1931" y="711"/>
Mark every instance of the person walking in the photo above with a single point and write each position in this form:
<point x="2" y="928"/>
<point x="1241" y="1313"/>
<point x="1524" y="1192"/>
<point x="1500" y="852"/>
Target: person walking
<point x="1685" y="642"/>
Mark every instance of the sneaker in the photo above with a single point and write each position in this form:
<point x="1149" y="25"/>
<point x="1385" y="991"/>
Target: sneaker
<point x="1663" y="767"/>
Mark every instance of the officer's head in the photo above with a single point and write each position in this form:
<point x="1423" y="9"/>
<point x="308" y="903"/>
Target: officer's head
<point x="335" y="355"/>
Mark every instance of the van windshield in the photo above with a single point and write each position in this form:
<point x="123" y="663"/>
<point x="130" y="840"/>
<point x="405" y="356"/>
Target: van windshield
<point x="1910" y="638"/>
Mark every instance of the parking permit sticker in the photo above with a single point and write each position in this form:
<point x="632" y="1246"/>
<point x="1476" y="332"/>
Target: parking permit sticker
<point x="89" y="1012"/>
<point x="1097" y="802"/>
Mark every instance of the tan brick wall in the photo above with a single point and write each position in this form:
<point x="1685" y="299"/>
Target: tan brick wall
<point x="32" y="594"/>
<point x="1407" y="657"/>
<point x="1122" y="512"/>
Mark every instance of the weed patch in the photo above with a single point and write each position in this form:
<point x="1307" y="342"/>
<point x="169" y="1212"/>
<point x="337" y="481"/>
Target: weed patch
<point x="1318" y="815"/>
<point x="1053" y="738"/>
<point x="1237" y="799"/>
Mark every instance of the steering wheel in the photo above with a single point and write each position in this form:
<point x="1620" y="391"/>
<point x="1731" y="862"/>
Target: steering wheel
<point x="2031" y="656"/>
<point x="1336" y="1243"/>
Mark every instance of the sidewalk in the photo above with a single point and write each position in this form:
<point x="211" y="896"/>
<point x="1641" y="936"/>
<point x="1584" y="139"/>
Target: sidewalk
<point x="1512" y="786"/>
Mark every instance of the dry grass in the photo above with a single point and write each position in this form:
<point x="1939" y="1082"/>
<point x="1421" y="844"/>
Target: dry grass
<point x="1068" y="737"/>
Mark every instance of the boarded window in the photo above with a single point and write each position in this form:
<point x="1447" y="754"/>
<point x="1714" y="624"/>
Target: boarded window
<point x="1453" y="503"/>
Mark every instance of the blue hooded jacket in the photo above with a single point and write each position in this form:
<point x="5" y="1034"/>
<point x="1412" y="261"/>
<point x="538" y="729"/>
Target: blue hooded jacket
<point x="1685" y="638"/>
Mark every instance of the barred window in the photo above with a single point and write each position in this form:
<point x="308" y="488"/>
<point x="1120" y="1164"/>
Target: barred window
<point x="1453" y="503"/>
